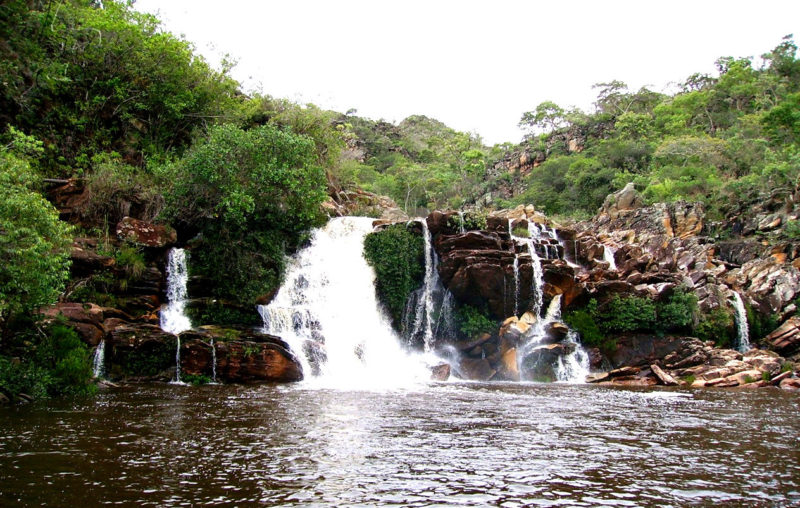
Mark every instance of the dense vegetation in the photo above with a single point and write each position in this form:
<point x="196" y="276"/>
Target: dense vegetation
<point x="721" y="140"/>
<point x="599" y="325"/>
<point x="398" y="257"/>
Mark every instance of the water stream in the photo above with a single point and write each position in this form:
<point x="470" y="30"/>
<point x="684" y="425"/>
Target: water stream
<point x="173" y="318"/>
<point x="328" y="313"/>
<point x="99" y="360"/>
<point x="743" y="339"/>
<point x="439" y="444"/>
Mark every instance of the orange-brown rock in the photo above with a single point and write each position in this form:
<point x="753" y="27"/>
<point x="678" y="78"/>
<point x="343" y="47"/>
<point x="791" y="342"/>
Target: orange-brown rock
<point x="144" y="233"/>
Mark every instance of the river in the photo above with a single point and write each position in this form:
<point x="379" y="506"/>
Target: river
<point x="433" y="444"/>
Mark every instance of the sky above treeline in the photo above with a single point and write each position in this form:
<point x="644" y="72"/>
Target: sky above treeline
<point x="477" y="66"/>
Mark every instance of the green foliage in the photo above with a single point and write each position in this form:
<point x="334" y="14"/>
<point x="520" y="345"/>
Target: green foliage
<point x="53" y="362"/>
<point x="678" y="311"/>
<point x="34" y="243"/>
<point x="218" y="313"/>
<point x="473" y="323"/>
<point x="717" y="326"/>
<point x="689" y="380"/>
<point x="253" y="194"/>
<point x="195" y="379"/>
<point x="627" y="314"/>
<point x="583" y="322"/>
<point x="95" y="77"/>
<point x="398" y="257"/>
<point x="116" y="190"/>
<point x="760" y="325"/>
<point x="717" y="139"/>
<point x="521" y="232"/>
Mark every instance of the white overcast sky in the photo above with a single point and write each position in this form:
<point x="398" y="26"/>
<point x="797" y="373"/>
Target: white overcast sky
<point x="477" y="66"/>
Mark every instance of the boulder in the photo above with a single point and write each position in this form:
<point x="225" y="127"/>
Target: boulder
<point x="790" y="384"/>
<point x="249" y="362"/>
<point x="85" y="318"/>
<point x="440" y="372"/>
<point x="477" y="369"/>
<point x="786" y="338"/>
<point x="663" y="377"/>
<point x="625" y="199"/>
<point x="145" y="234"/>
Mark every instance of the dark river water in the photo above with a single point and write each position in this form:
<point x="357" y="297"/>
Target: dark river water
<point x="442" y="444"/>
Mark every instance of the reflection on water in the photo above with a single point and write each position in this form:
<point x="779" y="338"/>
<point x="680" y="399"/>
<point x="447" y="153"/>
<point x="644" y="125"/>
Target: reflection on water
<point x="455" y="444"/>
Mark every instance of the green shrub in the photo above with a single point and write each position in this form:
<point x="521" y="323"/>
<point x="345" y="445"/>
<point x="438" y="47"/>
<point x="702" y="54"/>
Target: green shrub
<point x="472" y="322"/>
<point x="627" y="314"/>
<point x="217" y="313"/>
<point x="717" y="326"/>
<point x="583" y="322"/>
<point x="54" y="363"/>
<point x="521" y="232"/>
<point x="398" y="257"/>
<point x="195" y="379"/>
<point x="253" y="195"/>
<point x="678" y="312"/>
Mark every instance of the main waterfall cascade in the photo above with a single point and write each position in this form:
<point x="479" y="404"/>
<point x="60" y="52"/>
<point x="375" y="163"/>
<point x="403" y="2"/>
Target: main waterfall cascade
<point x="743" y="342"/>
<point x="328" y="313"/>
<point x="574" y="366"/>
<point x="173" y="318"/>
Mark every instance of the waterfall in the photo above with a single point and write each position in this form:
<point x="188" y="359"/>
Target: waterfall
<point x="572" y="367"/>
<point x="213" y="361"/>
<point x="461" y="222"/>
<point x="536" y="264"/>
<point x="743" y="342"/>
<point x="98" y="364"/>
<point x="516" y="284"/>
<point x="428" y="313"/>
<point x="173" y="318"/>
<point x="608" y="256"/>
<point x="328" y="313"/>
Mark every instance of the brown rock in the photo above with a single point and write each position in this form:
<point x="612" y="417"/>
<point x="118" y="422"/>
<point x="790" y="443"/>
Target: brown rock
<point x="786" y="338"/>
<point x="662" y="376"/>
<point x="477" y="369"/>
<point x="790" y="384"/>
<point x="440" y="372"/>
<point x="145" y="233"/>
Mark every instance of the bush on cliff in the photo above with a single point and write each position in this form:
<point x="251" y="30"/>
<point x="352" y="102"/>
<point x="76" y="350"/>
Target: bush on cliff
<point x="398" y="257"/>
<point x="252" y="195"/>
<point x="34" y="243"/>
<point x="47" y="362"/>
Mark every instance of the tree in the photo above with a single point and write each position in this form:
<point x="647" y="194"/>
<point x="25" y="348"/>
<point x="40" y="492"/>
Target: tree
<point x="548" y="117"/>
<point x="252" y="194"/>
<point x="34" y="243"/>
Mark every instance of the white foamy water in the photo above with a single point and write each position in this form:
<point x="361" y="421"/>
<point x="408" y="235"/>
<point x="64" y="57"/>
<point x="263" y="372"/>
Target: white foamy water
<point x="173" y="318"/>
<point x="328" y="313"/>
<point x="743" y="339"/>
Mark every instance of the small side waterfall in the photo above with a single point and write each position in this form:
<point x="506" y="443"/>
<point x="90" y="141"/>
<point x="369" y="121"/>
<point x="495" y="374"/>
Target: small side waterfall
<point x="536" y="264"/>
<point x="743" y="342"/>
<point x="516" y="284"/>
<point x="534" y="359"/>
<point x="461" y="228"/>
<point x="608" y="256"/>
<point x="98" y="363"/>
<point x="328" y="313"/>
<point x="173" y="318"/>
<point x="431" y="305"/>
